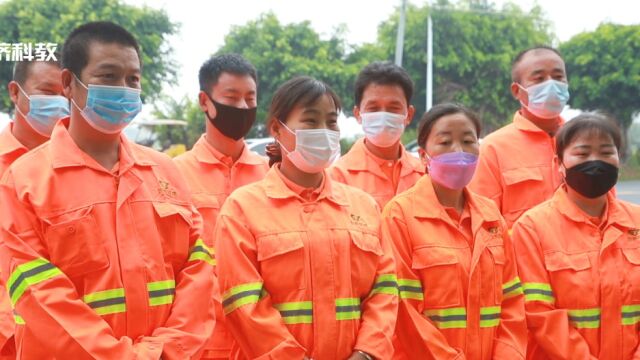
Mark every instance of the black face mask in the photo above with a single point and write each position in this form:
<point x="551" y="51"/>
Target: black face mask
<point x="592" y="178"/>
<point x="232" y="122"/>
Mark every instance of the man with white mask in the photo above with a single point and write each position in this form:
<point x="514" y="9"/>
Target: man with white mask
<point x="379" y="164"/>
<point x="516" y="167"/>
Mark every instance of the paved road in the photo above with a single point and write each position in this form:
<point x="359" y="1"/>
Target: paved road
<point x="629" y="191"/>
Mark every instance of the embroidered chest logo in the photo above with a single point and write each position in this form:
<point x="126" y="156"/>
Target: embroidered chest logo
<point x="634" y="233"/>
<point x="357" y="220"/>
<point x="166" y="190"/>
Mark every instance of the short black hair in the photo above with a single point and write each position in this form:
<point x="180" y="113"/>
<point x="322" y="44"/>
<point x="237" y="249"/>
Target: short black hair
<point x="590" y="122"/>
<point x="235" y="64"/>
<point x="383" y="73"/>
<point x="524" y="52"/>
<point x="435" y="113"/>
<point x="21" y="69"/>
<point x="75" y="52"/>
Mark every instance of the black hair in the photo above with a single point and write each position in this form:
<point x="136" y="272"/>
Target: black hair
<point x="435" y="113"/>
<point x="75" y="52"/>
<point x="383" y="73"/>
<point x="521" y="55"/>
<point x="301" y="90"/>
<point x="21" y="69"/>
<point x="235" y="64"/>
<point x="587" y="123"/>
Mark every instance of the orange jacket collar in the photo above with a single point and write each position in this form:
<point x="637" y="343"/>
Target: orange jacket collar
<point x="204" y="153"/>
<point x="524" y="124"/>
<point x="363" y="160"/>
<point x="275" y="188"/>
<point x="615" y="214"/>
<point x="65" y="152"/>
<point x="430" y="207"/>
<point x="8" y="142"/>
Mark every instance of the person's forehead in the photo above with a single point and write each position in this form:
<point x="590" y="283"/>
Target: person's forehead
<point x="387" y="92"/>
<point x="43" y="72"/>
<point x="593" y="135"/>
<point x="540" y="59"/>
<point x="458" y="122"/>
<point x="102" y="54"/>
<point x="228" y="80"/>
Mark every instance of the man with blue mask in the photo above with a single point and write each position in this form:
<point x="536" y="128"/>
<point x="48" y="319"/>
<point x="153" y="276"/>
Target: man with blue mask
<point x="100" y="244"/>
<point x="516" y="167"/>
<point x="36" y="92"/>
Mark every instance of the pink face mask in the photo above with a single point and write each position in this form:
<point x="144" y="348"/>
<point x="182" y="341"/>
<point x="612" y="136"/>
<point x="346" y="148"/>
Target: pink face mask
<point x="452" y="170"/>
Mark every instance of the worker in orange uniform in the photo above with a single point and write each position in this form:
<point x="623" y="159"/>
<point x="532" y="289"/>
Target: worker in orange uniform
<point x="36" y="93"/>
<point x="578" y="254"/>
<point x="302" y="269"/>
<point x="99" y="240"/>
<point x="460" y="296"/>
<point x="379" y="164"/>
<point x="220" y="162"/>
<point x="516" y="167"/>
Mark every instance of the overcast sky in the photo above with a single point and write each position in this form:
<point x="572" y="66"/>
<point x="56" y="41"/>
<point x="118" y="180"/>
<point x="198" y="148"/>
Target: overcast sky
<point x="205" y="23"/>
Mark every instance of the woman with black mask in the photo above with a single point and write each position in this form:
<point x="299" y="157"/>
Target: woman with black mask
<point x="578" y="254"/>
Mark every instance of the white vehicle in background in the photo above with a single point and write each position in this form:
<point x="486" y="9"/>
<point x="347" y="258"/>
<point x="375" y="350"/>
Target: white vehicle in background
<point x="145" y="132"/>
<point x="258" y="146"/>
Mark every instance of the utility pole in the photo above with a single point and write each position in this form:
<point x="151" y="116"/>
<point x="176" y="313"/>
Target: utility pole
<point x="400" y="37"/>
<point x="429" y="62"/>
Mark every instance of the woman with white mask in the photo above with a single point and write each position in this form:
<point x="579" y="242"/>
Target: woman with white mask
<point x="303" y="272"/>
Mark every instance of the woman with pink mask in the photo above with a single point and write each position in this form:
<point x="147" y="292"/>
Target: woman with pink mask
<point x="460" y="296"/>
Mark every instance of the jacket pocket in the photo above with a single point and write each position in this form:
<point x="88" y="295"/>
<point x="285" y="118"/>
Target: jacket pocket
<point x="571" y="279"/>
<point x="76" y="246"/>
<point x="439" y="271"/>
<point x="173" y="224"/>
<point x="283" y="261"/>
<point x="632" y="272"/>
<point x="498" y="259"/>
<point x="518" y="195"/>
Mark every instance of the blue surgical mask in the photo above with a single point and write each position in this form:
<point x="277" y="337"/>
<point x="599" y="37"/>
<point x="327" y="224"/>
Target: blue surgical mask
<point x="109" y="109"/>
<point x="547" y="99"/>
<point x="44" y="112"/>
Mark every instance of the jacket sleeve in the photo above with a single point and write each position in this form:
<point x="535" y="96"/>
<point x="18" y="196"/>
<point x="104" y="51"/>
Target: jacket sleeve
<point x="192" y="318"/>
<point x="417" y="335"/>
<point x="511" y="339"/>
<point x="487" y="180"/>
<point x="256" y="325"/>
<point x="548" y="325"/>
<point x="45" y="297"/>
<point x="380" y="309"/>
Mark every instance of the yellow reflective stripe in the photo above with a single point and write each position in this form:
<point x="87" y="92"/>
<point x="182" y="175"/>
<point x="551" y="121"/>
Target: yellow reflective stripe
<point x="630" y="314"/>
<point x="538" y="292"/>
<point x="296" y="312"/>
<point x="161" y="292"/>
<point x="584" y="318"/>
<point x="512" y="288"/>
<point x="451" y="318"/>
<point x="28" y="274"/>
<point x="347" y="309"/>
<point x="17" y="318"/>
<point x="490" y="316"/>
<point x="106" y="301"/>
<point x="386" y="284"/>
<point x="200" y="251"/>
<point x="410" y="289"/>
<point x="241" y="295"/>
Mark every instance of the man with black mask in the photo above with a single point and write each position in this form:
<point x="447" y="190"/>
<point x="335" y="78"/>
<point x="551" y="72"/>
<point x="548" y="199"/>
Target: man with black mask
<point x="220" y="162"/>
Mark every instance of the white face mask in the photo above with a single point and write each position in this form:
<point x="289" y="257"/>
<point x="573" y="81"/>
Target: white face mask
<point x="383" y="129"/>
<point x="316" y="149"/>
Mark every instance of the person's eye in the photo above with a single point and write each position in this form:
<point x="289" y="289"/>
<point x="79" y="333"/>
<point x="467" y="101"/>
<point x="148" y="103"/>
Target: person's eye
<point x="108" y="76"/>
<point x="444" y="143"/>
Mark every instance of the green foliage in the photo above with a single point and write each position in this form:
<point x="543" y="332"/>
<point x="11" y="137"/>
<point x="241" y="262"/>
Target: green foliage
<point x="474" y="44"/>
<point x="604" y="71"/>
<point x="183" y="109"/>
<point x="282" y="51"/>
<point x="38" y="21"/>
